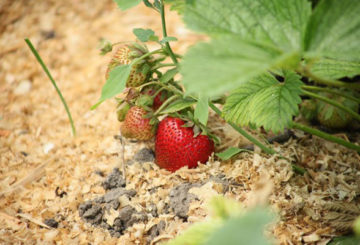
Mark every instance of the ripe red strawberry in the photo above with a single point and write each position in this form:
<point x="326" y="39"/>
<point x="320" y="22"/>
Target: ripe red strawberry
<point x="125" y="55"/>
<point x="176" y="146"/>
<point x="135" y="126"/>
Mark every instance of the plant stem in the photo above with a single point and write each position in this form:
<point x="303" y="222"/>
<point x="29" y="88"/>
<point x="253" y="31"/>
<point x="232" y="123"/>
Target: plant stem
<point x="334" y="103"/>
<point x="172" y="89"/>
<point x="166" y="103"/>
<point x="271" y="151"/>
<point x="162" y="65"/>
<point x="37" y="56"/>
<point x="244" y="133"/>
<point x="137" y="60"/>
<point x="163" y="22"/>
<point x="326" y="136"/>
<point x="332" y="91"/>
<point x="333" y="83"/>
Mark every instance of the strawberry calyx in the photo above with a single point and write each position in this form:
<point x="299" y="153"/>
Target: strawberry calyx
<point x="197" y="127"/>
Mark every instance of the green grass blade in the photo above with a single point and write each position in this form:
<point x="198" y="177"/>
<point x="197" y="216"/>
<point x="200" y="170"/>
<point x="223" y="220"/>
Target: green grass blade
<point x="36" y="54"/>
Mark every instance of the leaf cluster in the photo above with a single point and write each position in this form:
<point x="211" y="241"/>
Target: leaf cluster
<point x="254" y="39"/>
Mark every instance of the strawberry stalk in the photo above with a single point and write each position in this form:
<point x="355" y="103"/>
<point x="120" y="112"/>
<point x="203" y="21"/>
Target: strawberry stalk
<point x="166" y="103"/>
<point x="331" y="91"/>
<point x="334" y="103"/>
<point x="326" y="136"/>
<point x="162" y="65"/>
<point x="137" y="60"/>
<point x="270" y="151"/>
<point x="304" y="71"/>
<point x="163" y="23"/>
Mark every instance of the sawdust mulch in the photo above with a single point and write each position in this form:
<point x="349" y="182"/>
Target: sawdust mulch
<point x="49" y="180"/>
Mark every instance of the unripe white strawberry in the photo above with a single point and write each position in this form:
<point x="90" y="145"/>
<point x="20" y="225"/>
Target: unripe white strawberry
<point x="124" y="55"/>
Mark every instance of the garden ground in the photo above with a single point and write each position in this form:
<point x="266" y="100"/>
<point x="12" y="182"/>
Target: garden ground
<point x="46" y="175"/>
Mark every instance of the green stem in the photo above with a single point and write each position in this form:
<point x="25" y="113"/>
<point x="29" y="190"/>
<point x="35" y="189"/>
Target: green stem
<point x="271" y="151"/>
<point x="333" y="83"/>
<point x="332" y="91"/>
<point x="326" y="136"/>
<point x="244" y="133"/>
<point x="162" y="65"/>
<point x="37" y="56"/>
<point x="163" y="22"/>
<point x="137" y="60"/>
<point x="334" y="103"/>
<point x="172" y="89"/>
<point x="166" y="103"/>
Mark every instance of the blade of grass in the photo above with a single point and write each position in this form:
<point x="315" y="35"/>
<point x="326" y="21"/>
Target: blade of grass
<point x="36" y="54"/>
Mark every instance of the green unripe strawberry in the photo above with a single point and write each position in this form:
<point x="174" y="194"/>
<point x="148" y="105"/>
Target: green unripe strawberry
<point x="308" y="109"/>
<point x="333" y="117"/>
<point x="124" y="56"/>
<point x="121" y="111"/>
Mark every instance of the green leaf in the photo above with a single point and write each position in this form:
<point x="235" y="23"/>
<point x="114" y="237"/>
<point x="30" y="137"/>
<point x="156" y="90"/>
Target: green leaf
<point x="105" y="46"/>
<point x="114" y="84"/>
<point x="177" y="5"/>
<point x="216" y="67"/>
<point x="168" y="75"/>
<point x="168" y="39"/>
<point x="202" y="109"/>
<point x="229" y="153"/>
<point x="278" y="22"/>
<point x="148" y="4"/>
<point x="127" y="4"/>
<point x="144" y="35"/>
<point x="157" y="4"/>
<point x="266" y="102"/>
<point x="335" y="69"/>
<point x="197" y="234"/>
<point x="178" y="105"/>
<point x="345" y="240"/>
<point x="356" y="224"/>
<point x="334" y="30"/>
<point x="224" y="208"/>
<point x="244" y="229"/>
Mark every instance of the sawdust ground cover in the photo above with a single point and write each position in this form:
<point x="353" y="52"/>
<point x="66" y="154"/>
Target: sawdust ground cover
<point x="49" y="179"/>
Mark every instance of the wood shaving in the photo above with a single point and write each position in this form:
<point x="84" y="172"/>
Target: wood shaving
<point x="312" y="208"/>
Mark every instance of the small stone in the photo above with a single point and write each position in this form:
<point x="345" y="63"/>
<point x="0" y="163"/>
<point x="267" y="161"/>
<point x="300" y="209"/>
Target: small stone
<point x="144" y="155"/>
<point x="100" y="173"/>
<point x="220" y="179"/>
<point x="48" y="34"/>
<point x="23" y="88"/>
<point x="91" y="213"/>
<point x="155" y="230"/>
<point x="180" y="199"/>
<point x="48" y="147"/>
<point x="114" y="180"/>
<point x="152" y="209"/>
<point x="126" y="213"/>
<point x="51" y="222"/>
<point x="114" y="194"/>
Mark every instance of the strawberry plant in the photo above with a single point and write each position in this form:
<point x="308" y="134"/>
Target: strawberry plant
<point x="264" y="58"/>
